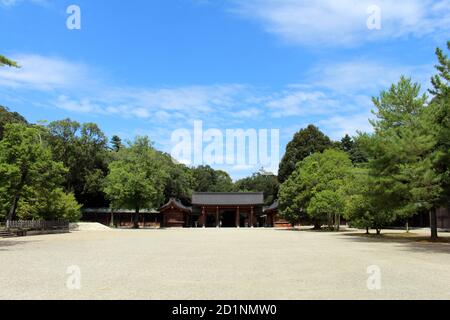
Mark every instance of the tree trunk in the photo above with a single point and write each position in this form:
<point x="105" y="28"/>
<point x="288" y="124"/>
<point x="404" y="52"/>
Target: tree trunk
<point x="112" y="219"/>
<point x="367" y="230"/>
<point x="15" y="202"/>
<point x="433" y="224"/>
<point x="13" y="208"/>
<point x="317" y="225"/>
<point x="136" y="219"/>
<point x="338" y="222"/>
<point x="330" y="222"/>
<point x="378" y="232"/>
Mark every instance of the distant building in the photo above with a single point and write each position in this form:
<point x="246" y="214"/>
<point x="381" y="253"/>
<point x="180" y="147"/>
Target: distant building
<point x="273" y="219"/>
<point x="121" y="217"/>
<point x="221" y="210"/>
<point x="209" y="210"/>
<point x="443" y="218"/>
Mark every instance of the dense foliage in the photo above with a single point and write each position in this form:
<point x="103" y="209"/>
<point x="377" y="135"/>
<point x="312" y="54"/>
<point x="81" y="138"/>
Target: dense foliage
<point x="316" y="188"/>
<point x="260" y="182"/>
<point x="398" y="171"/>
<point x="136" y="178"/>
<point x="29" y="179"/>
<point x="305" y="143"/>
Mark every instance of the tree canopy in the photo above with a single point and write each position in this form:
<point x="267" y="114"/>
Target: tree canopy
<point x="317" y="179"/>
<point x="260" y="182"/>
<point x="136" y="179"/>
<point x="83" y="149"/>
<point x="29" y="178"/>
<point x="4" y="61"/>
<point x="210" y="180"/>
<point x="305" y="143"/>
<point x="7" y="117"/>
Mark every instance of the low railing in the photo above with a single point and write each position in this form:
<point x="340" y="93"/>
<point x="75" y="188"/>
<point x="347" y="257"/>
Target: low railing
<point x="38" y="225"/>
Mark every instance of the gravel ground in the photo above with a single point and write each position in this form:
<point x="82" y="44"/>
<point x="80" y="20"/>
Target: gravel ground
<point x="221" y="264"/>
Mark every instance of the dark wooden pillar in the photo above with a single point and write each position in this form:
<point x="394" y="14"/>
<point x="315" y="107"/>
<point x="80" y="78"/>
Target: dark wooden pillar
<point x="238" y="218"/>
<point x="111" y="223"/>
<point x="217" y="218"/>
<point x="203" y="217"/>
<point x="186" y="220"/>
<point x="251" y="217"/>
<point x="433" y="224"/>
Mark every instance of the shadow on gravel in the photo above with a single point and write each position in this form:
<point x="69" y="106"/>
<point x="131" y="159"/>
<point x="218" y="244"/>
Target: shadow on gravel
<point x="5" y="244"/>
<point x="312" y="230"/>
<point x="411" y="241"/>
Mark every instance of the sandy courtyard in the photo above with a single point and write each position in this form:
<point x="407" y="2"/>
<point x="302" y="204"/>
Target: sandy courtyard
<point x="221" y="264"/>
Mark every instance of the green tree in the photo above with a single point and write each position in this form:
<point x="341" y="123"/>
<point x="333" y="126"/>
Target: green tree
<point x="354" y="149"/>
<point x="260" y="182"/>
<point x="209" y="180"/>
<point x="136" y="178"/>
<point x="305" y="143"/>
<point x="361" y="210"/>
<point x="4" y="61"/>
<point x="53" y="204"/>
<point x="25" y="164"/>
<point x="347" y="143"/>
<point x="83" y="149"/>
<point x="401" y="160"/>
<point x="327" y="171"/>
<point x="437" y="119"/>
<point x="223" y="182"/>
<point x="7" y="117"/>
<point x="327" y="205"/>
<point x="116" y="143"/>
<point x="180" y="181"/>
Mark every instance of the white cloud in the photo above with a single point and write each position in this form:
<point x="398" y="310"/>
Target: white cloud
<point x="336" y="95"/>
<point x="247" y="113"/>
<point x="45" y="73"/>
<point x="339" y="125"/>
<point x="365" y="75"/>
<point x="83" y="105"/>
<point x="8" y="3"/>
<point x="76" y="87"/>
<point x="344" y="22"/>
<point x="11" y="3"/>
<point x="300" y="103"/>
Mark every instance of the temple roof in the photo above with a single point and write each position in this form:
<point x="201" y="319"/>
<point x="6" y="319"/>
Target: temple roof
<point x="227" y="198"/>
<point x="108" y="211"/>
<point x="175" y="203"/>
<point x="273" y="207"/>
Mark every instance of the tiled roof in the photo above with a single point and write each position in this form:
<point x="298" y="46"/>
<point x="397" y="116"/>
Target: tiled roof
<point x="176" y="203"/>
<point x="108" y="211"/>
<point x="228" y="198"/>
<point x="273" y="207"/>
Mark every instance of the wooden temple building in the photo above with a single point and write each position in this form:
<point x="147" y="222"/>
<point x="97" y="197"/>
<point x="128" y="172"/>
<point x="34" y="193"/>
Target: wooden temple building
<point x="273" y="219"/>
<point x="215" y="210"/>
<point x="220" y="210"/>
<point x="208" y="210"/>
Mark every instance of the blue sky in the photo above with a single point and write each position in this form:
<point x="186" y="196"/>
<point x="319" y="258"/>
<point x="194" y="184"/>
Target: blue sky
<point x="151" y="67"/>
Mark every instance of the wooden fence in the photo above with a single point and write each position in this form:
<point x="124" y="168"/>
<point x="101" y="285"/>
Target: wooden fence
<point x="38" y="225"/>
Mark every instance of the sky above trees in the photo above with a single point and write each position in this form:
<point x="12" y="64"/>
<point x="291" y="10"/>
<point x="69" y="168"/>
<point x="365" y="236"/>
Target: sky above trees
<point x="151" y="67"/>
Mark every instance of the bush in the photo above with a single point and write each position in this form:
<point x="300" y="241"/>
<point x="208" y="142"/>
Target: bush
<point x="57" y="205"/>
